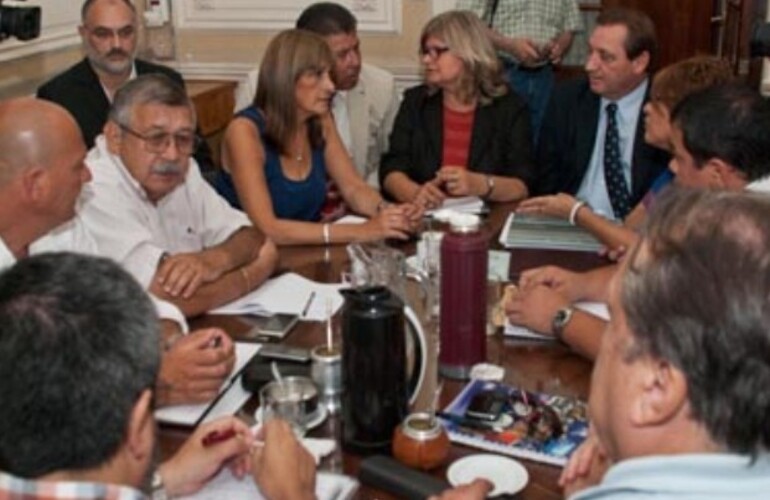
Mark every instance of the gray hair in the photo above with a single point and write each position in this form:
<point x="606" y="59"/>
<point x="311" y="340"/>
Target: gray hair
<point x="88" y="3"/>
<point x="79" y="344"/>
<point x="153" y="88"/>
<point x="700" y="299"/>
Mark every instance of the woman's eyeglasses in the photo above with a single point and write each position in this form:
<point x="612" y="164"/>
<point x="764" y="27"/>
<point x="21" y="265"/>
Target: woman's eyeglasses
<point x="432" y="52"/>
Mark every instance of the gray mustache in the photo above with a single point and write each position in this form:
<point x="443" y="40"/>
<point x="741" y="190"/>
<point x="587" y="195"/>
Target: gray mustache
<point x="166" y="169"/>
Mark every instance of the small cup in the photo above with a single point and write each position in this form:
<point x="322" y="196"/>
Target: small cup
<point x="495" y="313"/>
<point x="293" y="399"/>
<point x="421" y="441"/>
<point x="326" y="371"/>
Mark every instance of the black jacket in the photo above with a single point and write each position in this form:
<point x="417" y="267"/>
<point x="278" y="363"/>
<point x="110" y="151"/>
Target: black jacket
<point x="500" y="141"/>
<point x="79" y="91"/>
<point x="567" y="142"/>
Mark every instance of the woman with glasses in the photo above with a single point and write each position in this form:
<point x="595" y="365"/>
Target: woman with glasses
<point x="669" y="87"/>
<point x="280" y="150"/>
<point x="463" y="131"/>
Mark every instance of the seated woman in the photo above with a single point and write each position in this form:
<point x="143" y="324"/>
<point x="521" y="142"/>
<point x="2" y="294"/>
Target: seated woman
<point x="463" y="132"/>
<point x="669" y="87"/>
<point x="280" y="150"/>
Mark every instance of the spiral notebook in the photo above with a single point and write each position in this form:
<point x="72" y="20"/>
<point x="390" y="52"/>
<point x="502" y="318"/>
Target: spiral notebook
<point x="532" y="425"/>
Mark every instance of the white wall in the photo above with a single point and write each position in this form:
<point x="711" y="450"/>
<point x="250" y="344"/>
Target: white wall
<point x="60" y="19"/>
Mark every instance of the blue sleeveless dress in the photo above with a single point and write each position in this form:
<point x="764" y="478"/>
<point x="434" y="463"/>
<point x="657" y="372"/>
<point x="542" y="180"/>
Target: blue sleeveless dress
<point x="295" y="200"/>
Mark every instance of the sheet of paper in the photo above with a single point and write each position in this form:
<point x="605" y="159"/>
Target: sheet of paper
<point x="595" y="308"/>
<point x="226" y="486"/>
<point x="289" y="294"/>
<point x="464" y="204"/>
<point x="228" y="404"/>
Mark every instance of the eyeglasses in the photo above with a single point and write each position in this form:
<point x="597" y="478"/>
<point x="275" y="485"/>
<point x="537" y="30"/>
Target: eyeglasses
<point x="432" y="52"/>
<point x="186" y="142"/>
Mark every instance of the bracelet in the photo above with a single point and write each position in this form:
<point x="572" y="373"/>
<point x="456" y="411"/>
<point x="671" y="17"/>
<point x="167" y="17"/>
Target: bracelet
<point x="573" y="213"/>
<point x="490" y="186"/>
<point x="327" y="237"/>
<point x="245" y="275"/>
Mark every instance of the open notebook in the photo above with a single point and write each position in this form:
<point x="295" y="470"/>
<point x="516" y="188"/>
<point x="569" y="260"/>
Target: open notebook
<point x="231" y="397"/>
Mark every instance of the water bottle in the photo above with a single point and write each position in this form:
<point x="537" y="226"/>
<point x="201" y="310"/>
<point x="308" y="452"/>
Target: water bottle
<point x="462" y="316"/>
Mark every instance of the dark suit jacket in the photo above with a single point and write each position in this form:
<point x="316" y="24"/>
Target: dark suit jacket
<point x="500" y="141"/>
<point x="567" y="142"/>
<point x="78" y="90"/>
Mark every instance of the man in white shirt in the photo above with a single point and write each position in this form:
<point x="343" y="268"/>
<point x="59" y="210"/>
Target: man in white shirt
<point x="149" y="208"/>
<point x="366" y="101"/>
<point x="41" y="176"/>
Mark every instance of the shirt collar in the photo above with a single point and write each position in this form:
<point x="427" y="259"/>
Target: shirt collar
<point x="630" y="104"/>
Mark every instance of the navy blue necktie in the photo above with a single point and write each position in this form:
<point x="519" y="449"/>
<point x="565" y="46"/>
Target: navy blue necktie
<point x="617" y="189"/>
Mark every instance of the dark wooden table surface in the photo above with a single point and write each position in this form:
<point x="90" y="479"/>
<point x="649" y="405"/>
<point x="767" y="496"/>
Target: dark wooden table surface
<point x="548" y="367"/>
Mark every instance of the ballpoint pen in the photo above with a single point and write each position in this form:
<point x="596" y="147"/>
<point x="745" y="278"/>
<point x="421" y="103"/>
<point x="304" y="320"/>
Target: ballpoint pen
<point x="308" y="303"/>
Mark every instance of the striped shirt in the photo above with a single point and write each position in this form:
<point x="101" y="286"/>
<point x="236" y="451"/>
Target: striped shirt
<point x="539" y="20"/>
<point x="16" y="488"/>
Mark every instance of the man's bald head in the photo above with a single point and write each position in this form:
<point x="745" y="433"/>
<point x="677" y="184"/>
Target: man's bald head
<point x="33" y="132"/>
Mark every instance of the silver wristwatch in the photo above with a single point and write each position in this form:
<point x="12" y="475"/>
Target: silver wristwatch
<point x="560" y="320"/>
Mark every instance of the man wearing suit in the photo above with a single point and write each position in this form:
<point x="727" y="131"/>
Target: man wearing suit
<point x="366" y="100"/>
<point x="109" y="34"/>
<point x="592" y="142"/>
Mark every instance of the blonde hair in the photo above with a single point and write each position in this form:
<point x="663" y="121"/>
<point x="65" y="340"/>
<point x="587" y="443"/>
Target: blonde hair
<point x="465" y="35"/>
<point x="290" y="55"/>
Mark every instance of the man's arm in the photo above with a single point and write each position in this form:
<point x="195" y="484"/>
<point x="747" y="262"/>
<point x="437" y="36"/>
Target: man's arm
<point x="226" y="287"/>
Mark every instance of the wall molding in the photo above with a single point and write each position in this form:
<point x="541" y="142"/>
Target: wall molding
<point x="375" y="16"/>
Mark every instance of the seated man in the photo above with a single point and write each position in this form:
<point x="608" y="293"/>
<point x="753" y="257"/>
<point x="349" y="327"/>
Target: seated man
<point x="149" y="208"/>
<point x="721" y="140"/>
<point x="592" y="140"/>
<point x="41" y="176"/>
<point x="77" y="414"/>
<point x="109" y="32"/>
<point x="678" y="395"/>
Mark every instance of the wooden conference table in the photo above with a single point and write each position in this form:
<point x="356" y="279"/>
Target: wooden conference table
<point x="547" y="367"/>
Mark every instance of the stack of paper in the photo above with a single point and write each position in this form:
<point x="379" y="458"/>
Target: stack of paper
<point x="549" y="233"/>
<point x="462" y="204"/>
<point x="288" y="294"/>
<point x="231" y="397"/>
<point x="226" y="486"/>
<point x="596" y="308"/>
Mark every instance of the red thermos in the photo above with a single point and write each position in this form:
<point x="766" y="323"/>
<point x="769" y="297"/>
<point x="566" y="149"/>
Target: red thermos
<point x="464" y="260"/>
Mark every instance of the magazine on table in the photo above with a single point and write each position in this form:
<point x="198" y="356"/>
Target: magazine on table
<point x="497" y="417"/>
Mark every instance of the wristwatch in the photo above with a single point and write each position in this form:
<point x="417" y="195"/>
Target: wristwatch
<point x="560" y="320"/>
<point x="158" y="488"/>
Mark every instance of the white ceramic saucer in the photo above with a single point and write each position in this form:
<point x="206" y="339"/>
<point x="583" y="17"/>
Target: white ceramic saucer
<point x="508" y="475"/>
<point x="318" y="418"/>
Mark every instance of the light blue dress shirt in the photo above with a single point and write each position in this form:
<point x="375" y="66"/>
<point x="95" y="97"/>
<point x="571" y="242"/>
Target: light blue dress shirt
<point x="593" y="189"/>
<point x="708" y="476"/>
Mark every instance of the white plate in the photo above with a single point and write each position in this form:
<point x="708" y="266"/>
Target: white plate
<point x="318" y="419"/>
<point x="508" y="475"/>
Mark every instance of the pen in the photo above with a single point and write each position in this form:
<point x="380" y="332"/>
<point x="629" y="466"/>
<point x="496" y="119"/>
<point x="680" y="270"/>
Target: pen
<point x="307" y="304"/>
<point x="215" y="437"/>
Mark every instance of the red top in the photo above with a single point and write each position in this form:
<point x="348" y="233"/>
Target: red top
<point x="458" y="127"/>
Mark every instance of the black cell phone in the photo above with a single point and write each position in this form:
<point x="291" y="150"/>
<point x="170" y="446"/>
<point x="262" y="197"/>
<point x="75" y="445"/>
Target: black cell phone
<point x="277" y="325"/>
<point x="486" y="405"/>
<point x="285" y="352"/>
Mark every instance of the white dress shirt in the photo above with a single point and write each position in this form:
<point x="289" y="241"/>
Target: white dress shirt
<point x="134" y="231"/>
<point x="593" y="189"/>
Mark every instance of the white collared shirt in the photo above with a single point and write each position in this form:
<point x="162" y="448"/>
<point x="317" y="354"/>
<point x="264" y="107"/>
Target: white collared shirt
<point x="131" y="229"/>
<point x="593" y="189"/>
<point x="342" y="119"/>
<point x="73" y="236"/>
